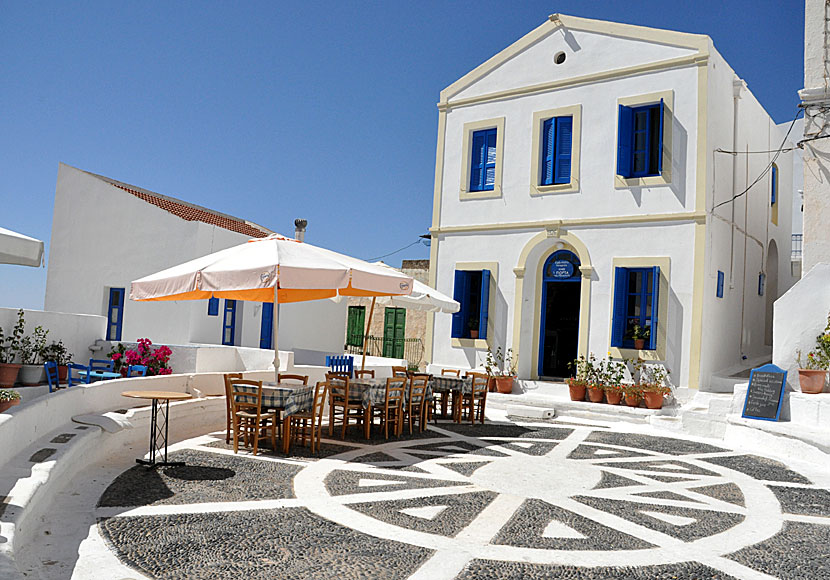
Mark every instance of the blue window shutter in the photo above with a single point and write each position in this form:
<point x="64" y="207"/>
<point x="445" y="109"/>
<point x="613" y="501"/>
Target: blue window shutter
<point x="660" y="139"/>
<point x="489" y="175"/>
<point x="485" y="304"/>
<point x="266" y="331"/>
<point x="720" y="285"/>
<point x="477" y="156"/>
<point x="619" y="311"/>
<point x="625" y="141"/>
<point x="459" y="294"/>
<point x="774" y="194"/>
<point x="655" y="302"/>
<point x="115" y="313"/>
<point x="213" y="307"/>
<point x="548" y="141"/>
<point x="564" y="134"/>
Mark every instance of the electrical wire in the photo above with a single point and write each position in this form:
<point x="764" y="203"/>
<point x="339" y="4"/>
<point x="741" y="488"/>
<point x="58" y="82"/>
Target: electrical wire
<point x="418" y="241"/>
<point x="766" y="170"/>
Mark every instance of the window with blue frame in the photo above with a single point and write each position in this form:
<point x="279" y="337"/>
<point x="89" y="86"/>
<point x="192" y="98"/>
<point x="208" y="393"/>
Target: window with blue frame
<point x="213" y="307"/>
<point x="773" y="195"/>
<point x="266" y="331"/>
<point x="229" y="323"/>
<point x="640" y="140"/>
<point x="636" y="299"/>
<point x="483" y="160"/>
<point x="557" y="138"/>
<point x="115" y="313"/>
<point x="472" y="291"/>
<point x="719" y="289"/>
<point x="762" y="281"/>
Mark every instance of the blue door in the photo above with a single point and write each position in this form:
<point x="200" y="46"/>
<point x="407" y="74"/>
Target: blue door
<point x="229" y="323"/>
<point x="266" y="332"/>
<point x="559" y="331"/>
<point x="115" y="313"/>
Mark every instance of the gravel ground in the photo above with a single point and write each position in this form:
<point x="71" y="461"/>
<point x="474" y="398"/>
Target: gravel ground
<point x="342" y="482"/>
<point x="796" y="500"/>
<point x="759" y="468"/>
<point x="652" y="443"/>
<point x="728" y="492"/>
<point x="486" y="569"/>
<point x="798" y="552"/>
<point x="591" y="452"/>
<point x="663" y="465"/>
<point x="614" y="480"/>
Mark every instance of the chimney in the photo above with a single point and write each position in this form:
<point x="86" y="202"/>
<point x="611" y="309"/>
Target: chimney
<point x="299" y="229"/>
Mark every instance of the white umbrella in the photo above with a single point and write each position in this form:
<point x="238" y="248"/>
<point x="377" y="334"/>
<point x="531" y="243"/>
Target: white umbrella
<point x="423" y="298"/>
<point x="19" y="249"/>
<point x="273" y="269"/>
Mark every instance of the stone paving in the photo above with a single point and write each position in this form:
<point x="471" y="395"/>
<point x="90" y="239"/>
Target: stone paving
<point x="502" y="500"/>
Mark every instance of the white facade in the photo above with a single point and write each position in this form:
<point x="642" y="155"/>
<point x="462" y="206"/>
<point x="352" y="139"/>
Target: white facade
<point x="106" y="234"/>
<point x="667" y="220"/>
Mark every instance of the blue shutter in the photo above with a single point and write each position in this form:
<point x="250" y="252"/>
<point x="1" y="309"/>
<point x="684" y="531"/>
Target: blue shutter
<point x="213" y="307"/>
<point x="618" y="314"/>
<point x="489" y="178"/>
<point x="564" y="131"/>
<point x="625" y="141"/>
<point x="548" y="141"/>
<point x="774" y="195"/>
<point x="115" y="313"/>
<point x="477" y="156"/>
<point x="266" y="331"/>
<point x="761" y="279"/>
<point x="484" y="309"/>
<point x="655" y="302"/>
<point x="660" y="140"/>
<point x="720" y="285"/>
<point x="459" y="294"/>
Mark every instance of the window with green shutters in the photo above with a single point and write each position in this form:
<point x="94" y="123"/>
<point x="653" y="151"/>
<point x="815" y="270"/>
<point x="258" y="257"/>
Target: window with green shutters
<point x="355" y="325"/>
<point x="394" y="330"/>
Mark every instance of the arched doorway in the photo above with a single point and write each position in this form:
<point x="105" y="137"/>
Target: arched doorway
<point x="559" y="330"/>
<point x="771" y="290"/>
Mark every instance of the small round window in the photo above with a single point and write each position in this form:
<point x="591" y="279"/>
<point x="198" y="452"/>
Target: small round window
<point x="559" y="57"/>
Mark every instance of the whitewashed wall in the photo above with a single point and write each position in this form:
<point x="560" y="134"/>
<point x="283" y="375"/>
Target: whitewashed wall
<point x="77" y="331"/>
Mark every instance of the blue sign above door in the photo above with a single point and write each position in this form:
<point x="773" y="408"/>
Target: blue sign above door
<point x="561" y="269"/>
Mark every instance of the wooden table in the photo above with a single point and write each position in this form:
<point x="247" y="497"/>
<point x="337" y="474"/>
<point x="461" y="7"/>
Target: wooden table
<point x="158" y="432"/>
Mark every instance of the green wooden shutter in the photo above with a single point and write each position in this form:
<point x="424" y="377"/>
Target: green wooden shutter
<point x="354" y="328"/>
<point x="400" y="332"/>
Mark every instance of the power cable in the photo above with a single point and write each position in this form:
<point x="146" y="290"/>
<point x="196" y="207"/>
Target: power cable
<point x="766" y="170"/>
<point x="418" y="241"/>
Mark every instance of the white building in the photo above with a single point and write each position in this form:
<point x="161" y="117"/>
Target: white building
<point x="106" y="233"/>
<point x="581" y="188"/>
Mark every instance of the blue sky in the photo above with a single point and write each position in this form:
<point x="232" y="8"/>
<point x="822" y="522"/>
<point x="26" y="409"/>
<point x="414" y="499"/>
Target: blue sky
<point x="275" y="110"/>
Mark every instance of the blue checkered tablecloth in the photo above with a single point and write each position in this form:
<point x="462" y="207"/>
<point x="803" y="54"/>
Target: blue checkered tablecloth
<point x="369" y="391"/>
<point x="448" y="384"/>
<point x="290" y="397"/>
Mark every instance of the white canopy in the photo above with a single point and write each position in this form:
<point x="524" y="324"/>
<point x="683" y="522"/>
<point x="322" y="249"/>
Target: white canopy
<point x="19" y="249"/>
<point x="423" y="298"/>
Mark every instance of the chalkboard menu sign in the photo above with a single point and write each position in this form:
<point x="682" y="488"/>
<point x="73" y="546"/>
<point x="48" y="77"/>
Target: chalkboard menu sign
<point x="765" y="393"/>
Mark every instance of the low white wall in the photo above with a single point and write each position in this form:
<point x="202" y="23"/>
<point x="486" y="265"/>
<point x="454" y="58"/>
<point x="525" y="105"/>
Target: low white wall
<point x="799" y="316"/>
<point x="207" y="358"/>
<point x="77" y="331"/>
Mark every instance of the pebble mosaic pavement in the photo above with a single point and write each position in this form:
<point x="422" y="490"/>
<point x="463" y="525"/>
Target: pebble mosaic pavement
<point x="505" y="501"/>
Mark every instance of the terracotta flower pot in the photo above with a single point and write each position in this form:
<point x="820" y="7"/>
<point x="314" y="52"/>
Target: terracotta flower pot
<point x="8" y="374"/>
<point x="63" y="370"/>
<point x="653" y="400"/>
<point x="504" y="384"/>
<point x="473" y="334"/>
<point x="613" y="397"/>
<point x="632" y="400"/>
<point x="577" y="392"/>
<point x="639" y="343"/>
<point x="8" y="404"/>
<point x="811" y="381"/>
<point x="595" y="394"/>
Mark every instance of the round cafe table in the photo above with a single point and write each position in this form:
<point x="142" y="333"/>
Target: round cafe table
<point x="158" y="422"/>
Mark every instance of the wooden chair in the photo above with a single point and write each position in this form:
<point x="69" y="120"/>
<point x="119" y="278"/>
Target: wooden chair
<point x="229" y="403"/>
<point x="392" y="409"/>
<point x="285" y="377"/>
<point x="342" y="403"/>
<point x="442" y="398"/>
<point x="362" y="374"/>
<point x="399" y="372"/>
<point x="474" y="402"/>
<point x="451" y="372"/>
<point x="310" y="423"/>
<point x="248" y="417"/>
<point x="415" y="406"/>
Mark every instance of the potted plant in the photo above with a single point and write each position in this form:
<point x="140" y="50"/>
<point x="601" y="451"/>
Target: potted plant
<point x="633" y="395"/>
<point x="9" y="349"/>
<point x="813" y="372"/>
<point x="640" y="334"/>
<point x="613" y="393"/>
<point x="653" y="385"/>
<point x="58" y="353"/>
<point x="583" y="373"/>
<point x="501" y="368"/>
<point x="31" y="352"/>
<point x="472" y="324"/>
<point x="596" y="382"/>
<point x="614" y="374"/>
<point x="8" y="398"/>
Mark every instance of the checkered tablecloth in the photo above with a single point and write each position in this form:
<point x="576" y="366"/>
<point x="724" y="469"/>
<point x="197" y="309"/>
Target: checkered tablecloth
<point x="448" y="384"/>
<point x="290" y="397"/>
<point x="370" y="391"/>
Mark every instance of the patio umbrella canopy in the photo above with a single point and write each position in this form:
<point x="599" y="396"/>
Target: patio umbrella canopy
<point x="273" y="269"/>
<point x="19" y="249"/>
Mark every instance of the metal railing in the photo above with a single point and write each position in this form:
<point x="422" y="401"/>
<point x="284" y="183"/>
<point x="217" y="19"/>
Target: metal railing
<point x="412" y="348"/>
<point x="798" y="239"/>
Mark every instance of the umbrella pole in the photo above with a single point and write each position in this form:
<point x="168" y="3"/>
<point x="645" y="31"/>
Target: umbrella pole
<point x="275" y="322"/>
<point x="366" y="334"/>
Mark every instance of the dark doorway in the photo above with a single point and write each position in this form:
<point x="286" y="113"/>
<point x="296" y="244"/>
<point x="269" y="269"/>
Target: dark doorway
<point x="559" y="332"/>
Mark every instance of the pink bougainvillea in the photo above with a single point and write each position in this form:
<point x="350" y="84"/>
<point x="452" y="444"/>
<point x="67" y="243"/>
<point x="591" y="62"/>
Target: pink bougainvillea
<point x="156" y="360"/>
